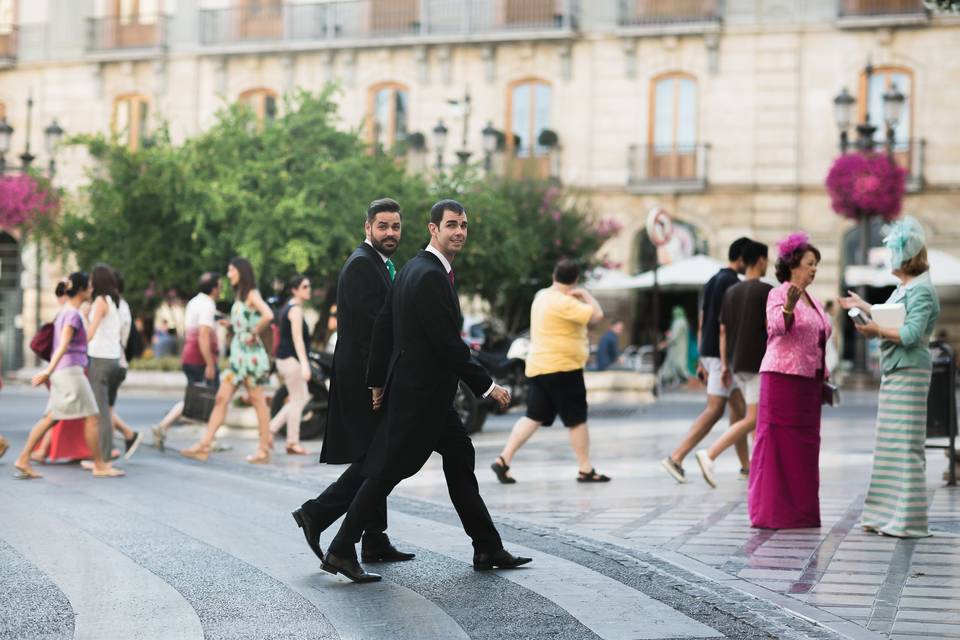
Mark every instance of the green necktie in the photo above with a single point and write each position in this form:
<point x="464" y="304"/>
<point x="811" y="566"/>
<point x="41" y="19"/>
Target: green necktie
<point x="391" y="269"/>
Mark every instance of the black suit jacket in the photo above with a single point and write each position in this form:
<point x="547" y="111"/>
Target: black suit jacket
<point x="351" y="422"/>
<point x="418" y="356"/>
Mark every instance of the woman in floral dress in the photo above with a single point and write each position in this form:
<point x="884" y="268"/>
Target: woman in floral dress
<point x="249" y="363"/>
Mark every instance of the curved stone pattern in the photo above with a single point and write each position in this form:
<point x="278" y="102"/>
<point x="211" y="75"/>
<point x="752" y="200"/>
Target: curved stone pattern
<point x="32" y="605"/>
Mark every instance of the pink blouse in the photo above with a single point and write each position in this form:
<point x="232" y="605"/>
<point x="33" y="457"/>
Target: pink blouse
<point x="798" y="350"/>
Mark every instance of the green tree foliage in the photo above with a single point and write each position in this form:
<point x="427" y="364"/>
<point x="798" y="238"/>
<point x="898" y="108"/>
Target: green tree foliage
<point x="291" y="196"/>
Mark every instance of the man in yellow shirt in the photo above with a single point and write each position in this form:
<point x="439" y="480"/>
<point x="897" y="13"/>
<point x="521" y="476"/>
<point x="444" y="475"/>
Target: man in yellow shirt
<point x="559" y="317"/>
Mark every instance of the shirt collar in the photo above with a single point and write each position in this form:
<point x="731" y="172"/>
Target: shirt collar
<point x="443" y="259"/>
<point x="382" y="257"/>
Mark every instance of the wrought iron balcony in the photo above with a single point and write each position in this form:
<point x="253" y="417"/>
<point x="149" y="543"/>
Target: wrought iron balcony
<point x="361" y="20"/>
<point x="139" y="33"/>
<point x="668" y="15"/>
<point x="873" y="13"/>
<point x="667" y="168"/>
<point x="8" y="45"/>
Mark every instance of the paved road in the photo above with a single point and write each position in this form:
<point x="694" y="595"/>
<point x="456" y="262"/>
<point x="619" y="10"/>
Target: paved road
<point x="180" y="549"/>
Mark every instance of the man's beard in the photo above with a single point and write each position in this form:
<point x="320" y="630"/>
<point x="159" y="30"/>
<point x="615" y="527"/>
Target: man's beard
<point x="387" y="251"/>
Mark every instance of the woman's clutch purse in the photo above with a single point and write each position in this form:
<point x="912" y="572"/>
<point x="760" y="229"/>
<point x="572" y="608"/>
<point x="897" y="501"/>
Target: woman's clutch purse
<point x="830" y="394"/>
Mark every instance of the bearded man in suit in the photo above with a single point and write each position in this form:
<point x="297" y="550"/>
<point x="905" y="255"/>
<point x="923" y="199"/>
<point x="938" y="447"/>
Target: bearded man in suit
<point x="362" y="287"/>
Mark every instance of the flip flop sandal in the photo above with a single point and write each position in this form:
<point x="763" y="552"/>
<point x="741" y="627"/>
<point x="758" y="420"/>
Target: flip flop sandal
<point x="500" y="468"/>
<point x="592" y="476"/>
<point x="111" y="473"/>
<point x="21" y="474"/>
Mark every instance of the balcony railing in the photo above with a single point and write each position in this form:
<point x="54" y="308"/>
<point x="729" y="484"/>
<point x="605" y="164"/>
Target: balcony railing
<point x="667" y="12"/>
<point x="670" y="168"/>
<point x="8" y="44"/>
<point x="862" y="8"/>
<point x="371" y="19"/>
<point x="120" y="34"/>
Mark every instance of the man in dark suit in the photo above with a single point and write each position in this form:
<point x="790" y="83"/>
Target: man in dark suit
<point x="362" y="287"/>
<point x="416" y="361"/>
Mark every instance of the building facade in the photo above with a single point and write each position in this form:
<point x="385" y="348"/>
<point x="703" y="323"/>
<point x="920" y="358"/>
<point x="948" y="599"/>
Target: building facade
<point x="720" y="111"/>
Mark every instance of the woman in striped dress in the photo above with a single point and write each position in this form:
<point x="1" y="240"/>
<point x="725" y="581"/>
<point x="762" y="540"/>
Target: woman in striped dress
<point x="896" y="503"/>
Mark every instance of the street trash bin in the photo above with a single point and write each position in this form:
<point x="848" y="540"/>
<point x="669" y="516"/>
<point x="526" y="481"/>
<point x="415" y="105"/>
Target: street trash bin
<point x="942" y="403"/>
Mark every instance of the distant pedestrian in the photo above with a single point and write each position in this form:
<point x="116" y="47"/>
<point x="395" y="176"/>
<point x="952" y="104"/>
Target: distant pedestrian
<point x="608" y="349"/>
<point x="200" y="350"/>
<point x="131" y="438"/>
<point x="559" y="317"/>
<point x="896" y="503"/>
<point x="292" y="362"/>
<point x="785" y="474"/>
<point x="720" y="392"/>
<point x="674" y="369"/>
<point x="104" y="350"/>
<point x="743" y="342"/>
<point x="249" y="363"/>
<point x="71" y="395"/>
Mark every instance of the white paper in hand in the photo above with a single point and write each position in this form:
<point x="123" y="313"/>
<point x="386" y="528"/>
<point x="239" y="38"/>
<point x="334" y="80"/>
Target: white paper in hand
<point x="889" y="316"/>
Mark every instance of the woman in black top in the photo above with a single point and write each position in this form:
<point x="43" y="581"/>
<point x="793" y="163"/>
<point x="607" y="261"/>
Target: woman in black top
<point x="292" y="363"/>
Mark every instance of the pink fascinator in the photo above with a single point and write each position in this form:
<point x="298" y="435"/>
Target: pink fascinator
<point x="792" y="242"/>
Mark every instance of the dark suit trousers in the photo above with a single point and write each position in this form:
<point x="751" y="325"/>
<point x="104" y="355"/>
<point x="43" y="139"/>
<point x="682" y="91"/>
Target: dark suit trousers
<point x="326" y="508"/>
<point x="458" y="469"/>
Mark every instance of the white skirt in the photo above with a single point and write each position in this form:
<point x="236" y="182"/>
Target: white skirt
<point x="71" y="395"/>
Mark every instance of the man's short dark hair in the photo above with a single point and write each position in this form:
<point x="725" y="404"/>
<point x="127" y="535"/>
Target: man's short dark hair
<point x="382" y="205"/>
<point x="736" y="248"/>
<point x="566" y="271"/>
<point x="436" y="211"/>
<point x="753" y="252"/>
<point x="208" y="282"/>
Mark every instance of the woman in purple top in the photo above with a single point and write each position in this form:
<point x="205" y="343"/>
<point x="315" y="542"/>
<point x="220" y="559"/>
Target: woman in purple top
<point x="785" y="470"/>
<point x="71" y="396"/>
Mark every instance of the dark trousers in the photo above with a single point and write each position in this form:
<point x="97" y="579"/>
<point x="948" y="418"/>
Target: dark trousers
<point x="326" y="508"/>
<point x="458" y="464"/>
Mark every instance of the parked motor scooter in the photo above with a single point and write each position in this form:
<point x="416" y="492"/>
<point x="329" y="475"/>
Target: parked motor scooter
<point x="506" y="366"/>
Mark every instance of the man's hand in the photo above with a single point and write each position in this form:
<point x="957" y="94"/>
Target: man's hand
<point x="701" y="373"/>
<point x="726" y="378"/>
<point x="210" y="371"/>
<point x="377" y="395"/>
<point x="501" y="395"/>
<point x="579" y="294"/>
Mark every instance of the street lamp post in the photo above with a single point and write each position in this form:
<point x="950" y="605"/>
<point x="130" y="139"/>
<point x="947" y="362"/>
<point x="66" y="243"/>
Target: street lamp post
<point x="439" y="141"/>
<point x="893" y="102"/>
<point x="489" y="146"/>
<point x="463" y="154"/>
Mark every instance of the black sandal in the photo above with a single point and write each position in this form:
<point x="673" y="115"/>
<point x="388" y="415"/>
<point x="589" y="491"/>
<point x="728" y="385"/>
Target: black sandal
<point x="592" y="476"/>
<point x="500" y="468"/>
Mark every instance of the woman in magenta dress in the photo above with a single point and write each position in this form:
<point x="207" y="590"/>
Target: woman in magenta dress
<point x="785" y="470"/>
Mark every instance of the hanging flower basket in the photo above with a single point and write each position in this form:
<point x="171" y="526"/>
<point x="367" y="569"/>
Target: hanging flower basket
<point x="24" y="200"/>
<point x="866" y="185"/>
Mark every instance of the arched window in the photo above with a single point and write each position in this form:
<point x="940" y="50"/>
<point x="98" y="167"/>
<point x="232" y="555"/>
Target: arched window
<point x="870" y="102"/>
<point x="673" y="126"/>
<point x="263" y="103"/>
<point x="528" y="114"/>
<point x="389" y="114"/>
<point x="130" y="113"/>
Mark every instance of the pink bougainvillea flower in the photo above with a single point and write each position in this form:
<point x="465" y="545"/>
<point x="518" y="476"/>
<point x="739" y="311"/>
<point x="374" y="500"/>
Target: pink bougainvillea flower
<point x="23" y="201"/>
<point x="866" y="184"/>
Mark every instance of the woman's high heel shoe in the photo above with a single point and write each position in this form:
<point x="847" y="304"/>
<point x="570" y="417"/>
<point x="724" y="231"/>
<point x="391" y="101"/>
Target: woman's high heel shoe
<point x="262" y="456"/>
<point x="196" y="452"/>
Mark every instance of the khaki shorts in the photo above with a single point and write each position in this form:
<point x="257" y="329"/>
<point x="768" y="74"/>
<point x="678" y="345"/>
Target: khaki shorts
<point x="749" y="384"/>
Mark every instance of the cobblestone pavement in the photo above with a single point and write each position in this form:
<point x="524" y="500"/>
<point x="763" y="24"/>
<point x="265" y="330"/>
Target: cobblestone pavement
<point x="186" y="550"/>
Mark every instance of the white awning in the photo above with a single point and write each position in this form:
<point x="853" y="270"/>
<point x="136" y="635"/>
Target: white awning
<point x="691" y="273"/>
<point x="944" y="272"/>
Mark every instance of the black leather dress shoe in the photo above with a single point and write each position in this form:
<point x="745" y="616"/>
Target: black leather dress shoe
<point x="385" y="553"/>
<point x="310" y="531"/>
<point x="349" y="567"/>
<point x="502" y="559"/>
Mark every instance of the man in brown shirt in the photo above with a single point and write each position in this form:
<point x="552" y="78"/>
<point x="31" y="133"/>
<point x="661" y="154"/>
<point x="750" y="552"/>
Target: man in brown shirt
<point x="743" y="341"/>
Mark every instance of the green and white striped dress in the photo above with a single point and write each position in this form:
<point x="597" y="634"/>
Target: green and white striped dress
<point x="896" y="501"/>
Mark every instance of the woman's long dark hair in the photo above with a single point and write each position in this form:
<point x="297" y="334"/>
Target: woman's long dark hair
<point x="74" y="284"/>
<point x="104" y="283"/>
<point x="248" y="282"/>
